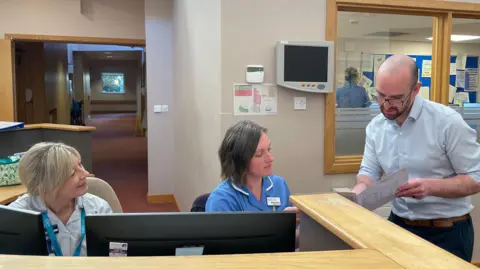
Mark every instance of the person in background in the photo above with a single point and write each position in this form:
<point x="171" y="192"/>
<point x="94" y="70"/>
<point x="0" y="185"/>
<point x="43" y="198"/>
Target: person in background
<point x="439" y="150"/>
<point x="57" y="187"/>
<point x="351" y="95"/>
<point x="247" y="171"/>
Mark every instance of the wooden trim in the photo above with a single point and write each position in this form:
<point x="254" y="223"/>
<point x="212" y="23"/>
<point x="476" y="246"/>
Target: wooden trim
<point x="62" y="127"/>
<point x="162" y="199"/>
<point x="417" y="5"/>
<point x="113" y="102"/>
<point x="329" y="128"/>
<point x="97" y="112"/>
<point x="442" y="13"/>
<point x="77" y="39"/>
<point x="7" y="83"/>
<point x="476" y="263"/>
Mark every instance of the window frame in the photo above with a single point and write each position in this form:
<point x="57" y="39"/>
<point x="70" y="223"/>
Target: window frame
<point x="441" y="12"/>
<point x="113" y="73"/>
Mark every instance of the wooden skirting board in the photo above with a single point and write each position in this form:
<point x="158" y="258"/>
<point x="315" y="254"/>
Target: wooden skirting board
<point x="162" y="199"/>
<point x="113" y="102"/>
<point x="94" y="112"/>
<point x="476" y="263"/>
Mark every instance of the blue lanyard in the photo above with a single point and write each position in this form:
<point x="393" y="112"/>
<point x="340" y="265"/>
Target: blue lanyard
<point x="53" y="238"/>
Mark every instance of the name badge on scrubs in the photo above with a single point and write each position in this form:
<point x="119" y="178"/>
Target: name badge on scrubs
<point x="273" y="201"/>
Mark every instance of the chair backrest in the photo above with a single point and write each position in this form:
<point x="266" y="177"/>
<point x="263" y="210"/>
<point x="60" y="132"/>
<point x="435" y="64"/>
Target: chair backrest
<point x="199" y="203"/>
<point x="103" y="190"/>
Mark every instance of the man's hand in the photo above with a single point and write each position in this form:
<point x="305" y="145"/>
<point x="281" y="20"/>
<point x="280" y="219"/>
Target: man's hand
<point x="359" y="188"/>
<point x="293" y="208"/>
<point x="417" y="188"/>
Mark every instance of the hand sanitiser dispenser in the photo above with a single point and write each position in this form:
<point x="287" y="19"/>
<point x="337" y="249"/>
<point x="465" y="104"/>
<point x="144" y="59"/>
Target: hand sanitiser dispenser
<point x="254" y="74"/>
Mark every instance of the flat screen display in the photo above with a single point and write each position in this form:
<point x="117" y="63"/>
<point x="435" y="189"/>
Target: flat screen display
<point x="305" y="64"/>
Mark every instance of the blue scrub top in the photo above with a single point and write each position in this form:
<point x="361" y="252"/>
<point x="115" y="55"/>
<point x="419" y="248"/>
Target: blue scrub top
<point x="230" y="197"/>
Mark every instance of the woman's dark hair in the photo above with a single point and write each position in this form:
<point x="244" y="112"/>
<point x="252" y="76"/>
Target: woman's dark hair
<point x="237" y="149"/>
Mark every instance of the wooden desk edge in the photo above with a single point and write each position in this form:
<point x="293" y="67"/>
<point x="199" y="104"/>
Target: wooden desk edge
<point x="62" y="127"/>
<point x="346" y="237"/>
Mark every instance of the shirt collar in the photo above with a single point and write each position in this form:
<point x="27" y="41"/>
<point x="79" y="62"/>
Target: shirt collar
<point x="266" y="185"/>
<point x="416" y="108"/>
<point x="40" y="205"/>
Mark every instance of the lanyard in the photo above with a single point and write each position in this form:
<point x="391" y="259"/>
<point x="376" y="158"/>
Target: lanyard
<point x="53" y="238"/>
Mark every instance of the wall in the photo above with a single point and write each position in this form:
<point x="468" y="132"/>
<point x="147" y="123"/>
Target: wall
<point x="159" y="47"/>
<point x="87" y="18"/>
<point x="197" y="44"/>
<point x="131" y="71"/>
<point x="81" y="82"/>
<point x="297" y="136"/>
<point x="57" y="94"/>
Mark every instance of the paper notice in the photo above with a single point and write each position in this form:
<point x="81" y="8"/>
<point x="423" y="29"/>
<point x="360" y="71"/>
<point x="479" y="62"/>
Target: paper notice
<point x="426" y="68"/>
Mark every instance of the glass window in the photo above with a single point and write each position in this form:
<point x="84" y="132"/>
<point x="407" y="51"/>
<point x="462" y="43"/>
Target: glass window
<point x="364" y="41"/>
<point x="113" y="83"/>
<point x="463" y="88"/>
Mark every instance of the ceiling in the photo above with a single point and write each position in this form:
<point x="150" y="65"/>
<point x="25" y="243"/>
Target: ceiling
<point x="114" y="55"/>
<point x="398" y="27"/>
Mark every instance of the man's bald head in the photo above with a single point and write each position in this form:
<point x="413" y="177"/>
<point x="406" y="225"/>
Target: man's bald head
<point x="400" y="63"/>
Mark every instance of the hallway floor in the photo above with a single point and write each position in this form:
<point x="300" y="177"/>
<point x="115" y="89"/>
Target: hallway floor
<point x="121" y="159"/>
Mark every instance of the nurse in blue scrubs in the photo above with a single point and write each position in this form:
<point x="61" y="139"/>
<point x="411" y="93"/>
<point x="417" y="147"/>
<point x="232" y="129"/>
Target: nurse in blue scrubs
<point x="247" y="171"/>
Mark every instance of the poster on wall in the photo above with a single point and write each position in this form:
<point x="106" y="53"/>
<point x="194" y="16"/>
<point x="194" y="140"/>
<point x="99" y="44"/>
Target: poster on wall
<point x="460" y="78"/>
<point x="453" y="69"/>
<point x="367" y="62"/>
<point x="257" y="99"/>
<point x="471" y="79"/>
<point x="426" y="69"/>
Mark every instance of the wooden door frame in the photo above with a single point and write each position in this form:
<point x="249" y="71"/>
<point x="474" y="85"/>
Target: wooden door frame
<point x="60" y="39"/>
<point x="441" y="11"/>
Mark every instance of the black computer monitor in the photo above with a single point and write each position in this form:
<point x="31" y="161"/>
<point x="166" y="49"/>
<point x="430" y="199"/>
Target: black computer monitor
<point x="21" y="232"/>
<point x="170" y="234"/>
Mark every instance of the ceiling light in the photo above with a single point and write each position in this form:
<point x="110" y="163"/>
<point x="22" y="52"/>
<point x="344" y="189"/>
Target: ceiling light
<point x="457" y="38"/>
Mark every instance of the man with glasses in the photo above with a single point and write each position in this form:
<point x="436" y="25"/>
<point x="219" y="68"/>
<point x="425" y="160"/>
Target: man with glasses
<point x="439" y="150"/>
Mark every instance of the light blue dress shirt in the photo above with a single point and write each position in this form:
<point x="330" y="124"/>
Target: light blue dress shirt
<point x="434" y="142"/>
<point x="230" y="197"/>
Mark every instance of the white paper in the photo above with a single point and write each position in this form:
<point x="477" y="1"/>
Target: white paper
<point x="461" y="97"/>
<point x="471" y="79"/>
<point x="426" y="68"/>
<point x="258" y="99"/>
<point x="425" y="92"/>
<point x="365" y="82"/>
<point x="461" y="61"/>
<point x="367" y="62"/>
<point x="460" y="79"/>
<point x="451" y="92"/>
<point x="453" y="69"/>
<point x="377" y="61"/>
<point x="384" y="191"/>
<point x="381" y="193"/>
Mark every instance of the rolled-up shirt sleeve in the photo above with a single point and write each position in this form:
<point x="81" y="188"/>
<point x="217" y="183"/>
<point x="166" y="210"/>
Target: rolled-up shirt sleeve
<point x="370" y="166"/>
<point x="462" y="147"/>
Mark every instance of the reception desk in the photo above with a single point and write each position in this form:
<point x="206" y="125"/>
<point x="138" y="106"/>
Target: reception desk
<point x="336" y="232"/>
<point x="20" y="140"/>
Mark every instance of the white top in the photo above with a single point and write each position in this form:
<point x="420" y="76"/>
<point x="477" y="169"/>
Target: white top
<point x="69" y="234"/>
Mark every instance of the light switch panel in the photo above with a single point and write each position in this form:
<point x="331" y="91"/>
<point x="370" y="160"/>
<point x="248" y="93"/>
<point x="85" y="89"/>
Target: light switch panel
<point x="300" y="103"/>
<point x="157" y="108"/>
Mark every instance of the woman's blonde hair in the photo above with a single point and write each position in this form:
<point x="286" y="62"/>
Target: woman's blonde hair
<point x="46" y="166"/>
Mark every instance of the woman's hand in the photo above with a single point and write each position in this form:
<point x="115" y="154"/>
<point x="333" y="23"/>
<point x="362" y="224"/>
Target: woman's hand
<point x="293" y="208"/>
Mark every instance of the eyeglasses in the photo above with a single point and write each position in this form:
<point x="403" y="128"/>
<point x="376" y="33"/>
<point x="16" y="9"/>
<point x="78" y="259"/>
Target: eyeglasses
<point x="392" y="101"/>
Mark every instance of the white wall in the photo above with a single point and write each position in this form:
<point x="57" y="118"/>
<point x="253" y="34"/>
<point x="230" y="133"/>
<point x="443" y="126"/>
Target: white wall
<point x="86" y="18"/>
<point x="197" y="42"/>
<point x="159" y="47"/>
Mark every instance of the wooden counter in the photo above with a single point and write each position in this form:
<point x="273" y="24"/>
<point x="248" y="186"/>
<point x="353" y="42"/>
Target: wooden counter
<point x="8" y="194"/>
<point x="63" y="127"/>
<point x="361" y="259"/>
<point x="369" y="241"/>
<point x="360" y="228"/>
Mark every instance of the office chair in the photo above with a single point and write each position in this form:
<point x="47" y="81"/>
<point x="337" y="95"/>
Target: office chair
<point x="103" y="190"/>
<point x="199" y="203"/>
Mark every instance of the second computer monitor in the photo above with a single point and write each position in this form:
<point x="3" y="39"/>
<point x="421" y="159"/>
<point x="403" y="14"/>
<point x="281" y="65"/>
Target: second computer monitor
<point x="170" y="234"/>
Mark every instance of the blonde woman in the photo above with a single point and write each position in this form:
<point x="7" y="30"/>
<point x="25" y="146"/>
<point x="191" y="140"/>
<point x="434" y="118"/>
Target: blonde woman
<point x="56" y="186"/>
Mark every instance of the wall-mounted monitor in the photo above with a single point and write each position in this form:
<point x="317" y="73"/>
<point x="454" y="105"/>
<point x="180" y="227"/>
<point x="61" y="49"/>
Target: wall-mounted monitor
<point x="305" y="66"/>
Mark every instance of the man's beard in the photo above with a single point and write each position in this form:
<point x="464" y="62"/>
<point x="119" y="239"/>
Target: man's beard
<point x="398" y="113"/>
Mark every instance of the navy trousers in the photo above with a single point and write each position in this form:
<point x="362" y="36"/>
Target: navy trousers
<point x="457" y="239"/>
